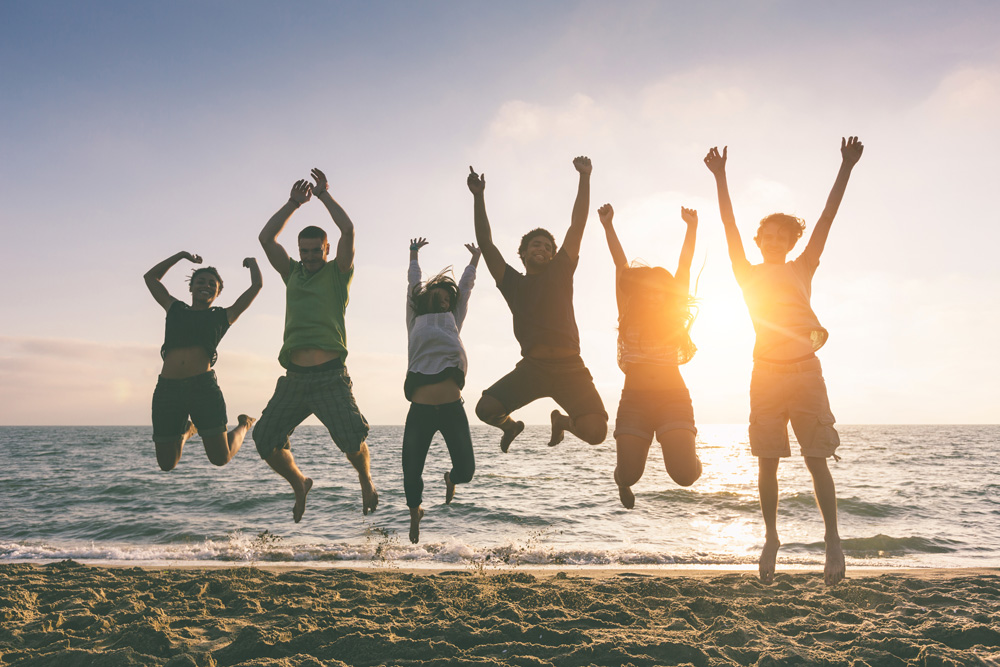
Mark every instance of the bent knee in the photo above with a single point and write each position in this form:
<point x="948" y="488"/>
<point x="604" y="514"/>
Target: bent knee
<point x="625" y="476"/>
<point x="490" y="410"/>
<point x="686" y="477"/>
<point x="591" y="430"/>
<point x="219" y="459"/>
<point x="462" y="474"/>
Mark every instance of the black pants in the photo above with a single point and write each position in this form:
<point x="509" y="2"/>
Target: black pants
<point x="422" y="422"/>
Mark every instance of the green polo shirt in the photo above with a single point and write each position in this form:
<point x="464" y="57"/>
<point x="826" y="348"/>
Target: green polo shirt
<point x="314" y="309"/>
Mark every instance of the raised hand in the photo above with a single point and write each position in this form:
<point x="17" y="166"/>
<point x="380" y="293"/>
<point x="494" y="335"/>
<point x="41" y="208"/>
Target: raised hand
<point x="301" y="191"/>
<point x="582" y="164"/>
<point x="196" y="259"/>
<point x="716" y="163"/>
<point x="476" y="252"/>
<point x="250" y="263"/>
<point x="476" y="182"/>
<point x="689" y="215"/>
<point x="607" y="214"/>
<point x="851" y="149"/>
<point x="321" y="183"/>
<point x="418" y="243"/>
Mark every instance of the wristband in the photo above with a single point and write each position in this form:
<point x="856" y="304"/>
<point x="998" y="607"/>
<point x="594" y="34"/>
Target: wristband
<point x="297" y="204"/>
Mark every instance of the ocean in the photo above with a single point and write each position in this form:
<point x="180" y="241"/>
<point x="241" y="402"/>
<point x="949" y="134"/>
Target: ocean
<point x="909" y="496"/>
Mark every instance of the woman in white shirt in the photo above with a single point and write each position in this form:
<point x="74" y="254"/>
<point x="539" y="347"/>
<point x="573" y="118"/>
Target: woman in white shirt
<point x="435" y="311"/>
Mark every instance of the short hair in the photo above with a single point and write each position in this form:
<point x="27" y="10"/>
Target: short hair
<point x="206" y="269"/>
<point x="420" y="298"/>
<point x="794" y="226"/>
<point x="313" y="232"/>
<point x="538" y="231"/>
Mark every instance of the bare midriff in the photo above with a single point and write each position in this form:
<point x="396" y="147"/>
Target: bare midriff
<point x="438" y="393"/>
<point x="311" y="356"/>
<point x="541" y="351"/>
<point x="185" y="362"/>
<point x="652" y="377"/>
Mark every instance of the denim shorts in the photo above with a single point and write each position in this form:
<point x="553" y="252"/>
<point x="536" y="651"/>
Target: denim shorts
<point x="199" y="397"/>
<point x="796" y="393"/>
<point x="645" y="413"/>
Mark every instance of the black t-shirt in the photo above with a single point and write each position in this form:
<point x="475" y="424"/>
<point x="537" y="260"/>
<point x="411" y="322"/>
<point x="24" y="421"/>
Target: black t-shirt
<point x="542" y="304"/>
<point x="187" y="327"/>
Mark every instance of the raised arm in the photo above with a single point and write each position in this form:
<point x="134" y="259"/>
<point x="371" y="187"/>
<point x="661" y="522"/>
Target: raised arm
<point x="413" y="278"/>
<point x="581" y="207"/>
<point x="268" y="237"/>
<point x="465" y="284"/>
<point x="683" y="274"/>
<point x="155" y="275"/>
<point x="607" y="215"/>
<point x="345" y="247"/>
<point x="850" y="151"/>
<point x="716" y="164"/>
<point x="243" y="302"/>
<point x="484" y="236"/>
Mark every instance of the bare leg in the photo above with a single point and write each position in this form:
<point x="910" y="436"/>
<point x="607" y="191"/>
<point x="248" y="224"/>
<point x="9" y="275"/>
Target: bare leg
<point x="361" y="462"/>
<point x="283" y="463"/>
<point x="680" y="456"/>
<point x="449" y="489"/>
<point x="491" y="411"/>
<point x="416" y="514"/>
<point x="826" y="498"/>
<point x="632" y="453"/>
<point x="223" y="447"/>
<point x="168" y="454"/>
<point x="767" y="487"/>
<point x="589" y="428"/>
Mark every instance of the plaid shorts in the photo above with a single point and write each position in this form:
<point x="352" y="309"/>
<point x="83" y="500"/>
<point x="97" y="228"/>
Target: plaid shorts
<point x="324" y="391"/>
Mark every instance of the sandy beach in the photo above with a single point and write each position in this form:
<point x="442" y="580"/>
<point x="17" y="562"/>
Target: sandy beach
<point x="70" y="614"/>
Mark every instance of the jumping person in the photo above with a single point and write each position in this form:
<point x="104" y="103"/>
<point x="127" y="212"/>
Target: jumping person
<point x="316" y="381"/>
<point x="541" y="302"/>
<point x="187" y="385"/>
<point x="654" y="322"/>
<point x="787" y="382"/>
<point x="435" y="312"/>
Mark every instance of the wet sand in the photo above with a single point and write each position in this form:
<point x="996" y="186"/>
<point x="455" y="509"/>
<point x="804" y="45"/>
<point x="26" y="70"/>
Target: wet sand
<point x="68" y="614"/>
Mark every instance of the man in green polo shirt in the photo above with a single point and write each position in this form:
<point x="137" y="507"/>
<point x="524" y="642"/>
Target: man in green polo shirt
<point x="316" y="381"/>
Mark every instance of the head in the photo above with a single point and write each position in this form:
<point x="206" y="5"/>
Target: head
<point x="205" y="285"/>
<point x="437" y="295"/>
<point x="656" y="308"/>
<point x="313" y="248"/>
<point x="777" y="234"/>
<point x="537" y="249"/>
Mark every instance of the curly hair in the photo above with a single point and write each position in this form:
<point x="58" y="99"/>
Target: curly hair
<point x="206" y="269"/>
<point x="420" y="297"/>
<point x="657" y="310"/>
<point x="526" y="239"/>
<point x="795" y="226"/>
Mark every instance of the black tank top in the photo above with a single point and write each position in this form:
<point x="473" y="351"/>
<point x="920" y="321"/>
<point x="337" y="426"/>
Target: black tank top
<point x="187" y="327"/>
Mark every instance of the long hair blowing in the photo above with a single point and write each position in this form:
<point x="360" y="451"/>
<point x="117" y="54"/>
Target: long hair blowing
<point x="420" y="295"/>
<point x="656" y="310"/>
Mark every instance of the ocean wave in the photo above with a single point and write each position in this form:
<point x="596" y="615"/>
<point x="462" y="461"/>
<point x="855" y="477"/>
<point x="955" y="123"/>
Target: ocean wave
<point x="885" y="546"/>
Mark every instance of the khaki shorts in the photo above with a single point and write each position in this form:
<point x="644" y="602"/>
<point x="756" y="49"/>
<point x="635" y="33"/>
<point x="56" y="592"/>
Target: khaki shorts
<point x="780" y="393"/>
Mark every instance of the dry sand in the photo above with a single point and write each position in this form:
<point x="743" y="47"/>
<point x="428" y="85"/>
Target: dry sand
<point x="67" y="614"/>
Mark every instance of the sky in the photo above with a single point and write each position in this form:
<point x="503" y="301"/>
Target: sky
<point x="130" y="131"/>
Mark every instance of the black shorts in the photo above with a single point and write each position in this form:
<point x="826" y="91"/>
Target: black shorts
<point x="567" y="381"/>
<point x="645" y="413"/>
<point x="198" y="396"/>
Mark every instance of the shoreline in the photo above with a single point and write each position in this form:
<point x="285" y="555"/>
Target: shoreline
<point x="297" y="616"/>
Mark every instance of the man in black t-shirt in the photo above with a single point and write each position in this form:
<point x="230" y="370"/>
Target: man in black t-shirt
<point x="541" y="301"/>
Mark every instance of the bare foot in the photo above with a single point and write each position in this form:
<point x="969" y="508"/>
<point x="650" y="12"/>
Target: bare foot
<point x="626" y="496"/>
<point x="834" y="570"/>
<point x="369" y="498"/>
<point x="246" y="420"/>
<point x="416" y="514"/>
<point x="300" y="499"/>
<point x="768" y="556"/>
<point x="449" y="489"/>
<point x="509" y="435"/>
<point x="558" y="430"/>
